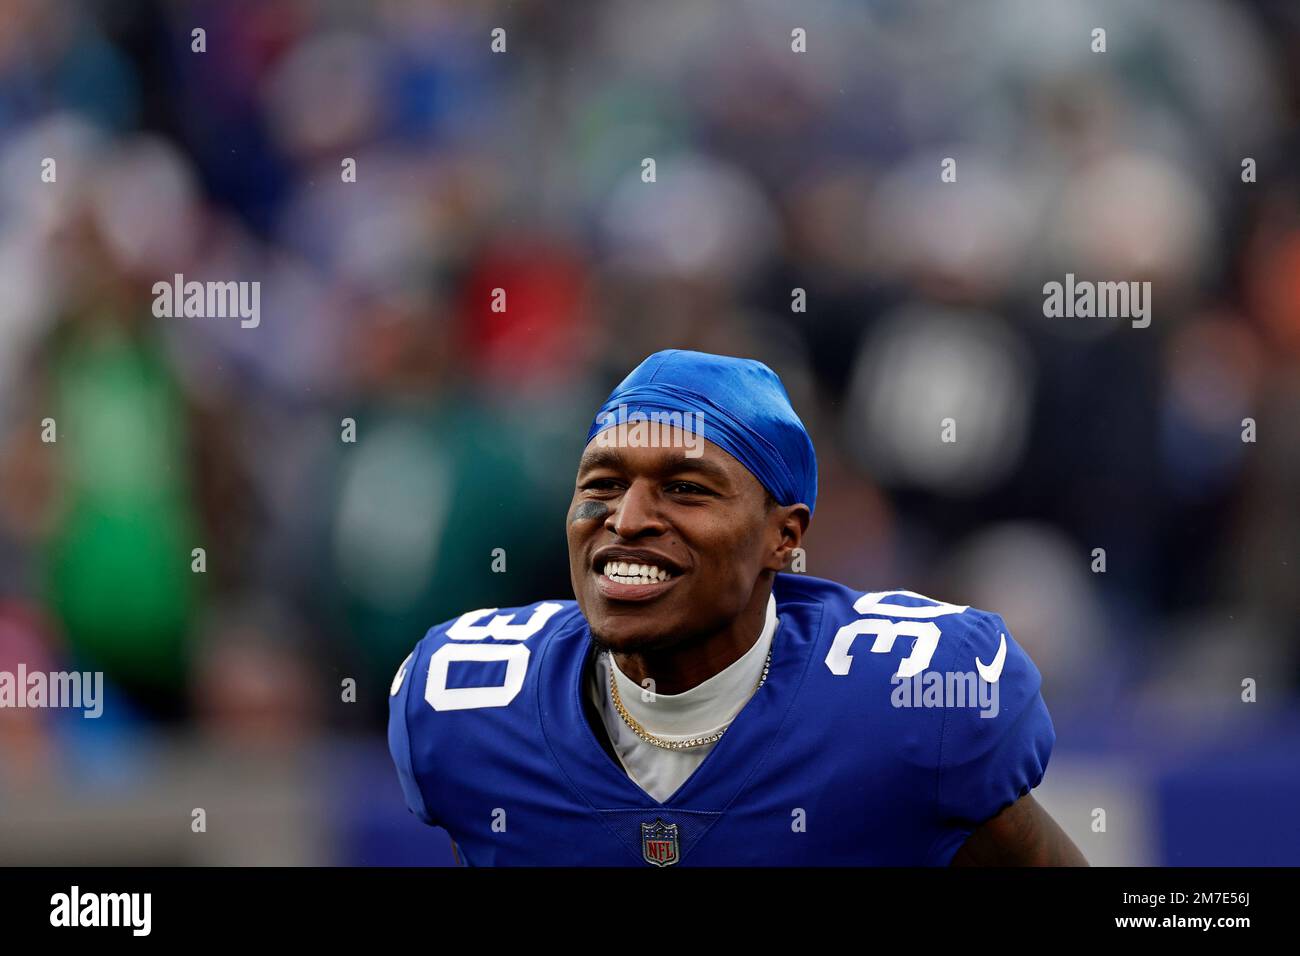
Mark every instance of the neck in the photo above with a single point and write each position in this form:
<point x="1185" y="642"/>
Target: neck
<point x="676" y="670"/>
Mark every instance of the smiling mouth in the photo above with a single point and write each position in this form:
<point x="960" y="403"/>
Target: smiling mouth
<point x="629" y="572"/>
<point x="630" y="581"/>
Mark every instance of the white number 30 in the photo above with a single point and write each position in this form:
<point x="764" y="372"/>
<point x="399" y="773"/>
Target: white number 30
<point x="926" y="633"/>
<point x="469" y="633"/>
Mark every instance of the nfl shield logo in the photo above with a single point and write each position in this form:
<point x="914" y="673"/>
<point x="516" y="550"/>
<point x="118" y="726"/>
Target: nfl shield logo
<point x="659" y="843"/>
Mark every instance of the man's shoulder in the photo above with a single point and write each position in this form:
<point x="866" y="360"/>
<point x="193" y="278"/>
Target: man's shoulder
<point x="471" y="667"/>
<point x="950" y="689"/>
<point x="509" y="635"/>
<point x="938" y="633"/>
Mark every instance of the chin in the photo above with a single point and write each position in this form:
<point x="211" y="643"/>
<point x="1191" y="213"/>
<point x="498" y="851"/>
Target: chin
<point x="629" y="637"/>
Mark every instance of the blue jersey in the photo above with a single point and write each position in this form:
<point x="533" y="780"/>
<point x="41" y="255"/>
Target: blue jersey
<point x="889" y="727"/>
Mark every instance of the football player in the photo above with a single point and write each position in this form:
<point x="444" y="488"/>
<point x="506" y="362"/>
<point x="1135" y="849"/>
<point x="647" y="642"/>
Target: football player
<point x="698" y="704"/>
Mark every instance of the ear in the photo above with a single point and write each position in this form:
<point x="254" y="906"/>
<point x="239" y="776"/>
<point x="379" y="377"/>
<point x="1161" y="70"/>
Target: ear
<point x="789" y="523"/>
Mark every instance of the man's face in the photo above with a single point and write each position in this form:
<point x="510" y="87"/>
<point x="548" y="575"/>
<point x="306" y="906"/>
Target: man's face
<point x="701" y="524"/>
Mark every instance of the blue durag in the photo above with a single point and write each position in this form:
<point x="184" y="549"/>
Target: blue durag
<point x="743" y="409"/>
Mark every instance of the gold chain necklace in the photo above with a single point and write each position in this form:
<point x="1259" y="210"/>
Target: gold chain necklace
<point x="659" y="741"/>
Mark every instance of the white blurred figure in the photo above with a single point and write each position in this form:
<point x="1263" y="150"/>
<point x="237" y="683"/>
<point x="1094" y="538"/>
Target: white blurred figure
<point x="926" y="364"/>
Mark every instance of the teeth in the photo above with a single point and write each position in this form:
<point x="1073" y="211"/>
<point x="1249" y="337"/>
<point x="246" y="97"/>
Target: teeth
<point x="631" y="573"/>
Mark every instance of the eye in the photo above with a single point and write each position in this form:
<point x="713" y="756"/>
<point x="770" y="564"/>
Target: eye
<point x="599" y="484"/>
<point x="687" y="488"/>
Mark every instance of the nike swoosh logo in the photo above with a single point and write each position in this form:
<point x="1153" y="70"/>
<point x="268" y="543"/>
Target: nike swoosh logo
<point x="401" y="675"/>
<point x="991" y="672"/>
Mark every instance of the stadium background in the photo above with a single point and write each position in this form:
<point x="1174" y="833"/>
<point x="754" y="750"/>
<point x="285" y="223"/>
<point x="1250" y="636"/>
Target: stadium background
<point x="328" y="560"/>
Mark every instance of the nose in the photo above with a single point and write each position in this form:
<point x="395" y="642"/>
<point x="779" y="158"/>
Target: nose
<point x="637" y="512"/>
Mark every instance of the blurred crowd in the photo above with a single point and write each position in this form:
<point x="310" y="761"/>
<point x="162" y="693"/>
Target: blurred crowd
<point x="327" y="559"/>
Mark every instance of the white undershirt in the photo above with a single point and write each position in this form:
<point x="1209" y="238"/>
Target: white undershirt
<point x="704" y="709"/>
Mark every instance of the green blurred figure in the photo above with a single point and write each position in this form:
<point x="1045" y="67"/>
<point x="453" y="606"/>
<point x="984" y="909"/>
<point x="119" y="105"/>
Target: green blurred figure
<point x="118" y="561"/>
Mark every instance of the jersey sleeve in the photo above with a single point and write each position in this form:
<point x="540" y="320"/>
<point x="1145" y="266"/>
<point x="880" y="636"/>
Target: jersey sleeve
<point x="399" y="736"/>
<point x="992" y="755"/>
<point x="424" y="735"/>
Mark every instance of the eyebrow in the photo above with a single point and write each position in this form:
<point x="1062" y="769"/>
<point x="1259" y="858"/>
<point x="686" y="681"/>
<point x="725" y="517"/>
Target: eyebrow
<point x="600" y="458"/>
<point x="610" y="458"/>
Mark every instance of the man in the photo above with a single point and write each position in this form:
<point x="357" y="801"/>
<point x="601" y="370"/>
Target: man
<point x="696" y="705"/>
